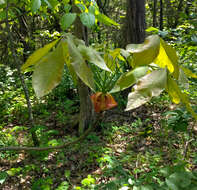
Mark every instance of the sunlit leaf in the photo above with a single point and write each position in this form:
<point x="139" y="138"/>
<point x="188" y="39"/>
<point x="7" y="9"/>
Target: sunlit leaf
<point x="176" y="95"/>
<point x="130" y="78"/>
<point x="152" y="29"/>
<point x="79" y="64"/>
<point x="67" y="20"/>
<point x="93" y="56"/>
<point x="106" y="20"/>
<point x="147" y="87"/>
<point x="171" y="88"/>
<point x="38" y="54"/>
<point x="88" y="19"/>
<point x="189" y="73"/>
<point x="144" y="54"/>
<point x="35" y="5"/>
<point x="109" y="61"/>
<point x="67" y="60"/>
<point x="48" y="72"/>
<point x="167" y="58"/>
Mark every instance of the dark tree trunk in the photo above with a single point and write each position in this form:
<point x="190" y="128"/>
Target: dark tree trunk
<point x="161" y="15"/>
<point x="134" y="29"/>
<point x="155" y="13"/>
<point x="179" y="9"/>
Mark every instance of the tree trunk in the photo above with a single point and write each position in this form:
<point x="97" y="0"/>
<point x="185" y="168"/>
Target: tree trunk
<point x="134" y="29"/>
<point x="86" y="115"/>
<point x="179" y="9"/>
<point x="161" y="15"/>
<point x="155" y="13"/>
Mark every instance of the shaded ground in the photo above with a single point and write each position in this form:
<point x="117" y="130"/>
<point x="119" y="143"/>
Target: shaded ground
<point x="124" y="145"/>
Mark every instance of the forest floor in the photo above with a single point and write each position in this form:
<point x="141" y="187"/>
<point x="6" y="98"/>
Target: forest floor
<point x="126" y="150"/>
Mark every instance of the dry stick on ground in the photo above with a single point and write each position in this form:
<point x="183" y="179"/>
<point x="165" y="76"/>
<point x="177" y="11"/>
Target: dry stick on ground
<point x="26" y="148"/>
<point x="25" y="89"/>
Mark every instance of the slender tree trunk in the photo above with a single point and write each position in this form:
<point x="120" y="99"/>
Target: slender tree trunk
<point x="86" y="115"/>
<point x="161" y="15"/>
<point x="155" y="13"/>
<point x="179" y="9"/>
<point x="134" y="29"/>
<point x="24" y="86"/>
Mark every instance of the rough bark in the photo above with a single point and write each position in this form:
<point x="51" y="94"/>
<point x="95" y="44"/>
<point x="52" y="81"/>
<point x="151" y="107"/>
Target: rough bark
<point x="161" y="15"/>
<point x="134" y="29"/>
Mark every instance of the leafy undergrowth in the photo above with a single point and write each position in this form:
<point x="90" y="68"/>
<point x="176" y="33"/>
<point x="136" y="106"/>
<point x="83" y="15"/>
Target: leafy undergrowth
<point x="152" y="147"/>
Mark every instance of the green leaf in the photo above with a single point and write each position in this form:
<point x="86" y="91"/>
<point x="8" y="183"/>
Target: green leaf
<point x="67" y="8"/>
<point x="79" y="64"/>
<point x="35" y="5"/>
<point x="129" y="78"/>
<point x="52" y="3"/>
<point x="91" y="9"/>
<point x="67" y="20"/>
<point x="106" y="20"/>
<point x="167" y="57"/>
<point x="38" y="54"/>
<point x="93" y="56"/>
<point x="3" y="176"/>
<point x="144" y="54"/>
<point x="147" y="87"/>
<point x="48" y="72"/>
<point x="176" y="95"/>
<point x="88" y="19"/>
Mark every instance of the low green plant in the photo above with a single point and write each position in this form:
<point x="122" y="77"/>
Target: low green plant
<point x="42" y="184"/>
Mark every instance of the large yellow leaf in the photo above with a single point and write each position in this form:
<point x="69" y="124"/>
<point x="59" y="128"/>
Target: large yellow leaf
<point x="167" y="58"/>
<point x="171" y="88"/>
<point x="48" y="72"/>
<point x="147" y="87"/>
<point x="38" y="54"/>
<point x="177" y="96"/>
<point x="144" y="54"/>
